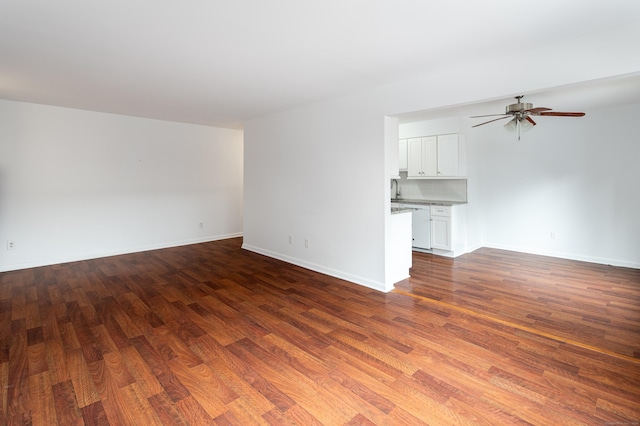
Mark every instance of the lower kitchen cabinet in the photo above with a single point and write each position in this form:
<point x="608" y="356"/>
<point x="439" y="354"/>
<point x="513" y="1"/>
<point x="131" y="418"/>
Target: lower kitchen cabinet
<point x="448" y="230"/>
<point x="441" y="232"/>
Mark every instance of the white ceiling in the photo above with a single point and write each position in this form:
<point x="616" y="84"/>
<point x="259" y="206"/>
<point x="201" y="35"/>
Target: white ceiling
<point x="219" y="63"/>
<point x="582" y="97"/>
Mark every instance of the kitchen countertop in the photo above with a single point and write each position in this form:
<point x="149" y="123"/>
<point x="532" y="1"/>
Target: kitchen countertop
<point x="396" y="210"/>
<point x="427" y="202"/>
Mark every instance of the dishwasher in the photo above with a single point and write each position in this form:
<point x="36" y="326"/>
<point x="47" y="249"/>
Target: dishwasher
<point x="420" y="226"/>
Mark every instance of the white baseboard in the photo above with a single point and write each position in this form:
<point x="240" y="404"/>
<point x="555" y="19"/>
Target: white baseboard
<point x="569" y="256"/>
<point x="375" y="285"/>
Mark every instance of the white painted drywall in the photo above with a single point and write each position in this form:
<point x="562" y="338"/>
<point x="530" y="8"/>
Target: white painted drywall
<point x="314" y="174"/>
<point x="319" y="171"/>
<point x="77" y="184"/>
<point x="575" y="177"/>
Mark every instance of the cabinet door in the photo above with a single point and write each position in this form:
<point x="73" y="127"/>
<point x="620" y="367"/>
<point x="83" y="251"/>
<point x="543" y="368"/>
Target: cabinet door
<point x="414" y="157"/>
<point x="402" y="155"/>
<point x="430" y="156"/>
<point x="441" y="232"/>
<point x="448" y="155"/>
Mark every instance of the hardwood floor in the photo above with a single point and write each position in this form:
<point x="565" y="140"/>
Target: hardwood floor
<point x="211" y="334"/>
<point x="587" y="304"/>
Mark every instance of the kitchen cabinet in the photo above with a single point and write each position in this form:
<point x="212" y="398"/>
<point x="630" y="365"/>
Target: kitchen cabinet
<point x="448" y="155"/>
<point x="449" y="230"/>
<point x="441" y="228"/>
<point x="441" y="156"/>
<point x="421" y="160"/>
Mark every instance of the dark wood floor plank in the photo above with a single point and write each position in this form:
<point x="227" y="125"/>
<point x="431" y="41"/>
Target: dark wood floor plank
<point x="233" y="373"/>
<point x="157" y="365"/>
<point x="213" y="334"/>
<point x="545" y="289"/>
<point x="141" y="371"/>
<point x="166" y="410"/>
<point x="118" y="369"/>
<point x="113" y="402"/>
<point x="4" y="384"/>
<point x="83" y="385"/>
<point x="42" y="401"/>
<point x="18" y="400"/>
<point x="307" y="393"/>
<point x="202" y="384"/>
<point x="37" y="358"/>
<point x="67" y="410"/>
<point x="94" y="415"/>
<point x="193" y="412"/>
<point x="139" y="405"/>
<point x="295" y="415"/>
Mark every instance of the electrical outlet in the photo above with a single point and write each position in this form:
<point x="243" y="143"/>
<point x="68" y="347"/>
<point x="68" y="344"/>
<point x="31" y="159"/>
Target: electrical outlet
<point x="290" y="239"/>
<point x="11" y="245"/>
<point x="553" y="235"/>
<point x="306" y="243"/>
<point x="201" y="225"/>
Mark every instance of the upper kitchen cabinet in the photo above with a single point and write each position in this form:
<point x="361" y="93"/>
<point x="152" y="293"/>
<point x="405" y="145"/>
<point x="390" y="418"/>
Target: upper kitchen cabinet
<point x="422" y="157"/>
<point x="432" y="157"/>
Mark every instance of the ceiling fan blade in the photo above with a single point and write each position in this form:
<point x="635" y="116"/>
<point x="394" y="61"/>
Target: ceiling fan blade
<point x="530" y="120"/>
<point x="562" y="114"/>
<point x="536" y="110"/>
<point x="490" y="115"/>
<point x="491" y="121"/>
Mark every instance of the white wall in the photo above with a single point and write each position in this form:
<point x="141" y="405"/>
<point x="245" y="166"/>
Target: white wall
<point x="319" y="172"/>
<point x="314" y="174"/>
<point x="576" y="177"/>
<point x="439" y="126"/>
<point x="77" y="184"/>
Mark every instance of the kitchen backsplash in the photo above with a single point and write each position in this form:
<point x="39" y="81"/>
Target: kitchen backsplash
<point x="431" y="189"/>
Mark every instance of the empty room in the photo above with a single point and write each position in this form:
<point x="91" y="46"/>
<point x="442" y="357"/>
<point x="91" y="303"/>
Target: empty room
<point x="331" y="213"/>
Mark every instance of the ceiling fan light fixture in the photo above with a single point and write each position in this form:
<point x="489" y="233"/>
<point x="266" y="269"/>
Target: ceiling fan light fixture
<point x="525" y="125"/>
<point x="512" y="125"/>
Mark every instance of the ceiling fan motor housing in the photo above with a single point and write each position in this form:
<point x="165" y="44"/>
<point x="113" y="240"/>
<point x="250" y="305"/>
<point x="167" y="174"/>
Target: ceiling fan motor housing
<point x="519" y="107"/>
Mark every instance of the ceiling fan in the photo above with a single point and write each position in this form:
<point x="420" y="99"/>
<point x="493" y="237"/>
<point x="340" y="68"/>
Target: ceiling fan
<point x="521" y="113"/>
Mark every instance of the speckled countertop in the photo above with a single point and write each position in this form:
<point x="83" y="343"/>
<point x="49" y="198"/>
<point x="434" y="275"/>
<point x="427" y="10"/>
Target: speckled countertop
<point x="395" y="210"/>
<point x="427" y="202"/>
